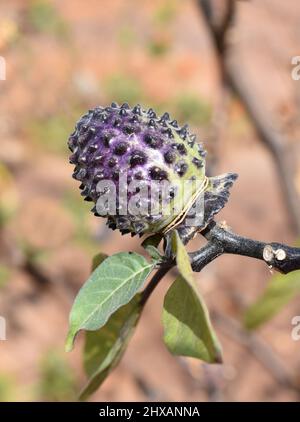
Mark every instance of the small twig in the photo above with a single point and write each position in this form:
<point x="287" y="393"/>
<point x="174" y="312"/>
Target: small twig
<point x="221" y="241"/>
<point x="281" y="257"/>
<point x="161" y="272"/>
<point x="218" y="27"/>
<point x="235" y="79"/>
<point x="37" y="274"/>
<point x="205" y="255"/>
<point x="271" y="137"/>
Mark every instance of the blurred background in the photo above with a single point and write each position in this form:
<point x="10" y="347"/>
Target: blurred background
<point x="63" y="58"/>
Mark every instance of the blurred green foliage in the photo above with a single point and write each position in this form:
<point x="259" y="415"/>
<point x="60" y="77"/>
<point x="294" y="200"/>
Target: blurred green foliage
<point x="57" y="381"/>
<point x="5" y="273"/>
<point x="123" y="88"/>
<point x="9" y="198"/>
<point x="190" y="108"/>
<point x="159" y="43"/>
<point x="158" y="46"/>
<point x="51" y="133"/>
<point x="165" y="13"/>
<point x="42" y="16"/>
<point x="6" y="389"/>
<point x="280" y="291"/>
<point x="127" y="36"/>
<point x="80" y="211"/>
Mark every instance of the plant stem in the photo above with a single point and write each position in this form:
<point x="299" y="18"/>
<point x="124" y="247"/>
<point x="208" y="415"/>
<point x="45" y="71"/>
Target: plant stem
<point x="281" y="257"/>
<point x="161" y="272"/>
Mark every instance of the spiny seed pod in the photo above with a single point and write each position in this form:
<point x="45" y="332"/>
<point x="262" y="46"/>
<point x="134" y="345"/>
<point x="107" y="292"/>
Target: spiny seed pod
<point x="117" y="143"/>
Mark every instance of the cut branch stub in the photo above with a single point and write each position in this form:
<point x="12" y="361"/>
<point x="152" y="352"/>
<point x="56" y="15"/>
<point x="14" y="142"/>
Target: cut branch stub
<point x="281" y="257"/>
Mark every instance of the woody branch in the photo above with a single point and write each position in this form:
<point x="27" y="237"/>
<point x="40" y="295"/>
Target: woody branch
<point x="221" y="241"/>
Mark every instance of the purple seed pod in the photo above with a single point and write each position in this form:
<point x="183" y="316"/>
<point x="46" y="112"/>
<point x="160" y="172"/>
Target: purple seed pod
<point x="119" y="151"/>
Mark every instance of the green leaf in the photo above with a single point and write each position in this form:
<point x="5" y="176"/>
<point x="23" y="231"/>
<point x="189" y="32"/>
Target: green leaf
<point x="187" y="327"/>
<point x="98" y="259"/>
<point x="279" y="292"/>
<point x="187" y="330"/>
<point x="110" y="286"/>
<point x="182" y="259"/>
<point x="151" y="246"/>
<point x="104" y="348"/>
<point x="153" y="240"/>
<point x="155" y="254"/>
